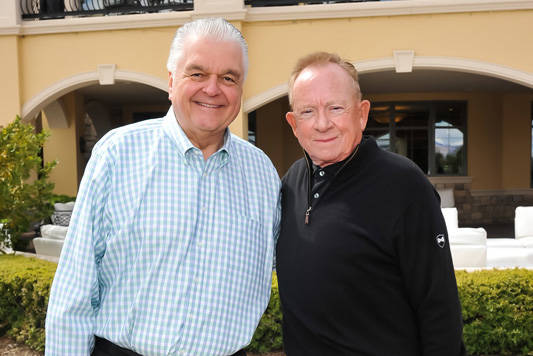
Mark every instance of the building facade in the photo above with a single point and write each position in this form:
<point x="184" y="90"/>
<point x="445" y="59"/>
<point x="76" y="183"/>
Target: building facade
<point x="450" y="82"/>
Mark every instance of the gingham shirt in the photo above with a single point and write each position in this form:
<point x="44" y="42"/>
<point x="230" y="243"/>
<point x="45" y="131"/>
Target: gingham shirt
<point x="166" y="254"/>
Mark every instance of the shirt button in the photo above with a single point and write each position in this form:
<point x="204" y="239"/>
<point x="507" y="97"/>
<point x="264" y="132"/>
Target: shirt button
<point x="321" y="173"/>
<point x="316" y="195"/>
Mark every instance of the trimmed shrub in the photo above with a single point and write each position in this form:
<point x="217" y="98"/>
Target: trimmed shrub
<point x="268" y="335"/>
<point x="24" y="289"/>
<point x="497" y="308"/>
<point x="497" y="311"/>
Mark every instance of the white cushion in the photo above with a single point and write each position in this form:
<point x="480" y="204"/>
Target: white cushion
<point x="47" y="247"/>
<point x="450" y="217"/>
<point x="465" y="256"/>
<point x="64" y="206"/>
<point x="527" y="242"/>
<point x="446" y="198"/>
<point x="524" y="242"/>
<point x="523" y="222"/>
<point x="509" y="257"/>
<point x="55" y="232"/>
<point x="468" y="236"/>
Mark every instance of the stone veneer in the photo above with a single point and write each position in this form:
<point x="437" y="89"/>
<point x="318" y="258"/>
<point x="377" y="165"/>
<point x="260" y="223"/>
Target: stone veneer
<point x="478" y="208"/>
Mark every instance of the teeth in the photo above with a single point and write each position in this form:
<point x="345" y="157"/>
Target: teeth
<point x="209" y="105"/>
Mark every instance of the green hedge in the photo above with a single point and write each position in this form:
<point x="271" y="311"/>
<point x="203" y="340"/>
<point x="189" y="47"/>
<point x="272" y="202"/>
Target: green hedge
<point x="24" y="288"/>
<point x="497" y="308"/>
<point x="497" y="311"/>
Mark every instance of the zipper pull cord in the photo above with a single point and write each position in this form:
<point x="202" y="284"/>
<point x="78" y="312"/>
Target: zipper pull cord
<point x="307" y="214"/>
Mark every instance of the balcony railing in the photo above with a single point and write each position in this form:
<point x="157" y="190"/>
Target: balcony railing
<point x="259" y="3"/>
<point x="53" y="9"/>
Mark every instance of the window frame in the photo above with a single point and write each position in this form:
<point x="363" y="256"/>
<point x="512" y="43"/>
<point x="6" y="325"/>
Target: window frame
<point x="431" y="108"/>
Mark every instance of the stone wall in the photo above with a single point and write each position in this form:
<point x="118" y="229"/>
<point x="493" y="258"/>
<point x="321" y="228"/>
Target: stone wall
<point x="486" y="208"/>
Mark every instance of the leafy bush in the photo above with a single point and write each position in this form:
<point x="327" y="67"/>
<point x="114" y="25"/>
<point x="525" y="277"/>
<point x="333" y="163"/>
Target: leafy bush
<point x="268" y="335"/>
<point x="497" y="311"/>
<point x="497" y="308"/>
<point x="25" y="191"/>
<point x="24" y="289"/>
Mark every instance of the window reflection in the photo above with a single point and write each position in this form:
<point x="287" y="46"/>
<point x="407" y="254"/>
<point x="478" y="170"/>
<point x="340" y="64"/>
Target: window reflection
<point x="431" y="134"/>
<point x="448" y="150"/>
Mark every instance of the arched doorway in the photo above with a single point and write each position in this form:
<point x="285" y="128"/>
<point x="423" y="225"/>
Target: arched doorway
<point x="79" y="110"/>
<point x="490" y="169"/>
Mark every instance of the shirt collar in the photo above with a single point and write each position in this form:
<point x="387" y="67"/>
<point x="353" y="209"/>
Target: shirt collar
<point x="176" y="133"/>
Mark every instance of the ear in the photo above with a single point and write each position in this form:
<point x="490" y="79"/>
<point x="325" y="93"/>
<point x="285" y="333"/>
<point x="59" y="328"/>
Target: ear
<point x="291" y="120"/>
<point x="364" y="108"/>
<point x="170" y="83"/>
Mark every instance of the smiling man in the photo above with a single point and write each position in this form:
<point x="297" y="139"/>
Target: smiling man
<point x="170" y="247"/>
<point x="362" y="268"/>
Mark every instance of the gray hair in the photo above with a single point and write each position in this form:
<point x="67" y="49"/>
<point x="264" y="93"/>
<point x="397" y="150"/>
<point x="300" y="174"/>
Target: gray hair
<point x="215" y="28"/>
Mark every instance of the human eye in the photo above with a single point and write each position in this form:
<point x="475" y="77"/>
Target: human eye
<point x="306" y="113"/>
<point x="336" y="109"/>
<point x="196" y="75"/>
<point x="228" y="79"/>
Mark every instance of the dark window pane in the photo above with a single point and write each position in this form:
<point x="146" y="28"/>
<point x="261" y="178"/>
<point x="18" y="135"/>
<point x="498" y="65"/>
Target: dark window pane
<point x="379" y="117"/>
<point x="414" y="145"/>
<point x="450" y="114"/>
<point x="449" y="143"/>
<point x="382" y="138"/>
<point x="252" y="128"/>
<point x="411" y="116"/>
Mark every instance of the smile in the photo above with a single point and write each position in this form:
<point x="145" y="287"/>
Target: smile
<point x="325" y="140"/>
<point x="211" y="106"/>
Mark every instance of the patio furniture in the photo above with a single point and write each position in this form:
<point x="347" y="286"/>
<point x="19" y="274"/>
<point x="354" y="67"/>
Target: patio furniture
<point x="518" y="251"/>
<point x="53" y="235"/>
<point x="51" y="241"/>
<point x="467" y="245"/>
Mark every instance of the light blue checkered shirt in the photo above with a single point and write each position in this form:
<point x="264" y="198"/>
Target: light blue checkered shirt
<point x="166" y="254"/>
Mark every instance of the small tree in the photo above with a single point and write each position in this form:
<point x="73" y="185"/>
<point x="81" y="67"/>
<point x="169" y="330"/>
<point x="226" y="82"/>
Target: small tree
<point x="25" y="191"/>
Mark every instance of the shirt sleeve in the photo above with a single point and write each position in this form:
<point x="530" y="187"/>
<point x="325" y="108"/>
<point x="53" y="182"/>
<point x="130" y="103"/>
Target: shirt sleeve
<point x="276" y="228"/>
<point x="74" y="297"/>
<point x="428" y="274"/>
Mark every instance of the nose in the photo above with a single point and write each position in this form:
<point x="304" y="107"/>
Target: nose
<point x="211" y="86"/>
<point x="322" y="122"/>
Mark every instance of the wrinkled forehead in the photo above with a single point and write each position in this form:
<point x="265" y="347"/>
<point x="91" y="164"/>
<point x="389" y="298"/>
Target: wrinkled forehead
<point x="210" y="51"/>
<point x="327" y="82"/>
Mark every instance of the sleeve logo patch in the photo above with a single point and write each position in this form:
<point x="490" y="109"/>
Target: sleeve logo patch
<point x="441" y="241"/>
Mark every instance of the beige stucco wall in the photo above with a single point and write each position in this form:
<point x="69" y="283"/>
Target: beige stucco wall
<point x="516" y="140"/>
<point x="494" y="37"/>
<point x="10" y="73"/>
<point x="62" y="146"/>
<point x="274" y="136"/>
<point x="47" y="59"/>
<point x="497" y="133"/>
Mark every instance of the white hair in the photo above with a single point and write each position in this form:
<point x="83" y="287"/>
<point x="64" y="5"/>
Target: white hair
<point x="215" y="28"/>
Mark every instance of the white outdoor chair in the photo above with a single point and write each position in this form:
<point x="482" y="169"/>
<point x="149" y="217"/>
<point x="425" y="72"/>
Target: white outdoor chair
<point x="518" y="251"/>
<point x="467" y="245"/>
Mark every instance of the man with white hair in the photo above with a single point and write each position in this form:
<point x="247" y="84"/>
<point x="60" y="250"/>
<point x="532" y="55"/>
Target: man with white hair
<point x="170" y="246"/>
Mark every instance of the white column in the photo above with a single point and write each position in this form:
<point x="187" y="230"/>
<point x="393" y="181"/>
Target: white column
<point x="9" y="15"/>
<point x="229" y="9"/>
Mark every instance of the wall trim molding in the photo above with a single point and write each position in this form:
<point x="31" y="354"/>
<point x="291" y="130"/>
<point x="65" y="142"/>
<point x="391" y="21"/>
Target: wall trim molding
<point x="388" y="8"/>
<point x="9" y="26"/>
<point x="421" y="62"/>
<point x="266" y="97"/>
<point x="33" y="106"/>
